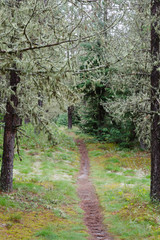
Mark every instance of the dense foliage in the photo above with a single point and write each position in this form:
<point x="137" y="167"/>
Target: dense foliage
<point x="96" y="89"/>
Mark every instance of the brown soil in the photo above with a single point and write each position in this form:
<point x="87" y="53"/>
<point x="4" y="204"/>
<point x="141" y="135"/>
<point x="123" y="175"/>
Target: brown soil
<point x="89" y="202"/>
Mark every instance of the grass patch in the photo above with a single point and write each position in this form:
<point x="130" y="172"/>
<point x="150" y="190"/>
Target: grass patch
<point x="6" y="202"/>
<point x="15" y="217"/>
<point x="129" y="172"/>
<point x="44" y="202"/>
<point x="112" y="168"/>
<point x="52" y="232"/>
<point x="96" y="153"/>
<point x="122" y="182"/>
<point x="113" y="160"/>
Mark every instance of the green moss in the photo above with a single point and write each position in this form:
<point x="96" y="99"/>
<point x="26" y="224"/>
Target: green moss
<point x="15" y="217"/>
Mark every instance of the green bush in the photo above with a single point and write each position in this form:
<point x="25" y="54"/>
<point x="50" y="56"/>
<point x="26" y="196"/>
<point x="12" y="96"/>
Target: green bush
<point x="62" y="120"/>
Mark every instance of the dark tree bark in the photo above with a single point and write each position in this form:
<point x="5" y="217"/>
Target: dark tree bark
<point x="155" y="107"/>
<point x="12" y="121"/>
<point x="70" y="115"/>
<point x="40" y="100"/>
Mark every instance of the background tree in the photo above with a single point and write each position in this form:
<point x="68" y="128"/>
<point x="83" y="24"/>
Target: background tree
<point x="96" y="73"/>
<point x="130" y="81"/>
<point x="134" y="71"/>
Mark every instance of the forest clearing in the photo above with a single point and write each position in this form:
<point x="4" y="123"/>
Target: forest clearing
<point x="45" y="204"/>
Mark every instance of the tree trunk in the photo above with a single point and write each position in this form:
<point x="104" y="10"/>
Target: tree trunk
<point x="12" y="121"/>
<point x="155" y="107"/>
<point x="70" y="113"/>
<point x="40" y="100"/>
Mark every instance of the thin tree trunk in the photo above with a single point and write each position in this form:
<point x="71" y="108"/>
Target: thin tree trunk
<point x="40" y="100"/>
<point x="155" y="107"/>
<point x="11" y="123"/>
<point x="70" y="115"/>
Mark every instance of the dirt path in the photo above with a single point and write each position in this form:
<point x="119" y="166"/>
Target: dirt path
<point x="89" y="200"/>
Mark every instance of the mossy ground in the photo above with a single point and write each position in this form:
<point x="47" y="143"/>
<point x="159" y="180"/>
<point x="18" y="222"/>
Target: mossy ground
<point x="44" y="202"/>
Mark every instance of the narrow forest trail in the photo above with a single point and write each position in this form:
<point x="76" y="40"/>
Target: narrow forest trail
<point x="89" y="201"/>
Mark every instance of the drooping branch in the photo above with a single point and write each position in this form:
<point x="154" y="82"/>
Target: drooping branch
<point x="39" y="47"/>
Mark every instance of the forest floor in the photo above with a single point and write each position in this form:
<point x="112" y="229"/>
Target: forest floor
<point x="45" y="205"/>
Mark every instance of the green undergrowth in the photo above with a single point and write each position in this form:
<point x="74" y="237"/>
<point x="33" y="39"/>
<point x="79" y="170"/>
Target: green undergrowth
<point x="44" y="203"/>
<point x="51" y="232"/>
<point x="122" y="180"/>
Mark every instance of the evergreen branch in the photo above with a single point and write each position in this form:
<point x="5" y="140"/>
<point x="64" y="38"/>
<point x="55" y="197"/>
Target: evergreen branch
<point x="76" y="26"/>
<point x="39" y="47"/>
<point x="22" y="132"/>
<point x="130" y="74"/>
<point x="25" y="28"/>
<point x="105" y="66"/>
<point x="45" y="46"/>
<point x="60" y="43"/>
<point x="89" y="69"/>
